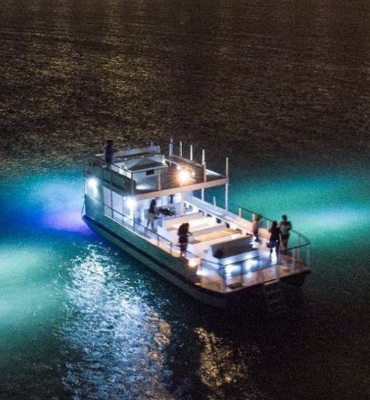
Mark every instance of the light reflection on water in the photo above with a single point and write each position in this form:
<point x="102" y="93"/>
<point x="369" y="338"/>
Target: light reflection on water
<point x="115" y="341"/>
<point x="219" y="365"/>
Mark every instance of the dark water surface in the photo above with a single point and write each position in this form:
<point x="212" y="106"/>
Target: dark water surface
<point x="283" y="88"/>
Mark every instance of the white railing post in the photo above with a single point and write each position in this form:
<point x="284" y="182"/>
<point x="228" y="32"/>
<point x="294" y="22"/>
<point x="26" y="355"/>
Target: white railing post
<point x="204" y="171"/>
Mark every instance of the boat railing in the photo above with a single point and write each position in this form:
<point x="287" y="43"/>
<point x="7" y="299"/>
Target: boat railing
<point x="299" y="245"/>
<point x="226" y="277"/>
<point x="196" y="266"/>
<point x="125" y="179"/>
<point x="135" y="225"/>
<point x="113" y="174"/>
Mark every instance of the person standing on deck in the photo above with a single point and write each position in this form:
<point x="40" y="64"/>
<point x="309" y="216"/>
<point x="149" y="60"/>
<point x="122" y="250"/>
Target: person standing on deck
<point x="285" y="228"/>
<point x="152" y="213"/>
<point x="274" y="238"/>
<point x="108" y="152"/>
<point x="256" y="226"/>
<point x="183" y="234"/>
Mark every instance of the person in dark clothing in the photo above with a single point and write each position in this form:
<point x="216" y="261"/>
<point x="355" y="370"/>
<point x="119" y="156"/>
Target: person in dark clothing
<point x="108" y="152"/>
<point x="183" y="234"/>
<point x="285" y="228"/>
<point x="274" y="237"/>
<point x="152" y="213"/>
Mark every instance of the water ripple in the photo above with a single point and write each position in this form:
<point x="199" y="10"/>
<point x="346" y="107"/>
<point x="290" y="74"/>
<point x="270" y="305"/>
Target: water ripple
<point x="114" y="341"/>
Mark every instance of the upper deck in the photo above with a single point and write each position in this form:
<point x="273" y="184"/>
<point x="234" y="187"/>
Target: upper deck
<point x="146" y="172"/>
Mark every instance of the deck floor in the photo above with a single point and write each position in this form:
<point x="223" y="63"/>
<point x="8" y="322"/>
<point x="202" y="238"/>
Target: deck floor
<point x="265" y="269"/>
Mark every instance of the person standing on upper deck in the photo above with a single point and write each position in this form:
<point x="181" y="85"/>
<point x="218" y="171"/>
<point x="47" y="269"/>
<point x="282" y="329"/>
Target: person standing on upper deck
<point x="108" y="152"/>
<point x="285" y="228"/>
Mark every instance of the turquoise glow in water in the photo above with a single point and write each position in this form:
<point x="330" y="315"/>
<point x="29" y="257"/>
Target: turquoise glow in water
<point x="280" y="87"/>
<point x="85" y="317"/>
<point x="67" y="297"/>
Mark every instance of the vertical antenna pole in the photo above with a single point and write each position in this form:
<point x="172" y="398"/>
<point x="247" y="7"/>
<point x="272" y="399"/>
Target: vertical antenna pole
<point x="227" y="185"/>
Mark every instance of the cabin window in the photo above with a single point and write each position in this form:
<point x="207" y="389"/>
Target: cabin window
<point x="117" y="206"/>
<point x="107" y="202"/>
<point x="150" y="172"/>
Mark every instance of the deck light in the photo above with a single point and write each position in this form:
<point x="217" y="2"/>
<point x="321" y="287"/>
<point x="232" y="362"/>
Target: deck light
<point x="92" y="183"/>
<point x="184" y="176"/>
<point x="193" y="262"/>
<point x="130" y="202"/>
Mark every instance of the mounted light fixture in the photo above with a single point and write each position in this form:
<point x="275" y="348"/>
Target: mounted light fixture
<point x="92" y="183"/>
<point x="184" y="176"/>
<point x="130" y="202"/>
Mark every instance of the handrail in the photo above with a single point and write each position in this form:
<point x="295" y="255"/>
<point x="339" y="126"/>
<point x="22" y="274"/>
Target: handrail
<point x="157" y="236"/>
<point x="103" y="162"/>
<point x="203" y="263"/>
<point x="234" y="205"/>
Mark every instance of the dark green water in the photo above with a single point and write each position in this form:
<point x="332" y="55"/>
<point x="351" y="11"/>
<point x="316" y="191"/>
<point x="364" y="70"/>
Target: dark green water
<point x="283" y="88"/>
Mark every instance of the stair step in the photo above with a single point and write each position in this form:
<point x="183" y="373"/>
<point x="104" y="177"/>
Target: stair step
<point x="275" y="299"/>
<point x="272" y="282"/>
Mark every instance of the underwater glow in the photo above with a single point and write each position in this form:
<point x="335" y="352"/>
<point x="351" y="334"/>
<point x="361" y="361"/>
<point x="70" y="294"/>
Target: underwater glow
<point x="26" y="291"/>
<point x="17" y="259"/>
<point x="52" y="203"/>
<point x="69" y="221"/>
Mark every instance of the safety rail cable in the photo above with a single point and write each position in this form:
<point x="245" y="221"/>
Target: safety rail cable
<point x="213" y="265"/>
<point x="133" y="227"/>
<point x="100" y="162"/>
<point x="219" y="268"/>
